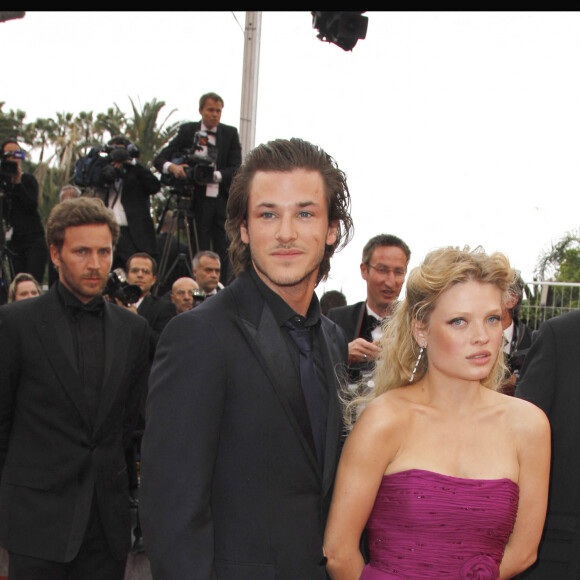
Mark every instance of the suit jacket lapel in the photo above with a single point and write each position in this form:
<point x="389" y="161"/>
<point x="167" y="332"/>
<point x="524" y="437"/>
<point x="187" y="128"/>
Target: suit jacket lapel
<point x="271" y="350"/>
<point x="116" y="342"/>
<point x="360" y="317"/>
<point x="145" y="306"/>
<point x="335" y="375"/>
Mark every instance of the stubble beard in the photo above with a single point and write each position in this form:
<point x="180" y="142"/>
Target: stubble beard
<point x="77" y="288"/>
<point x="290" y="280"/>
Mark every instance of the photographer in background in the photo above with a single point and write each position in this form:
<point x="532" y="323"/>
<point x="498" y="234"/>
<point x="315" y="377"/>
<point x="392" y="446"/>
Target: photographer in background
<point x="209" y="199"/>
<point x="128" y="187"/>
<point x="24" y="230"/>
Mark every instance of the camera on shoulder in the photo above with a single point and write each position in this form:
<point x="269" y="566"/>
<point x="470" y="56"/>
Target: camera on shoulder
<point x="200" y="160"/>
<point x="96" y="169"/>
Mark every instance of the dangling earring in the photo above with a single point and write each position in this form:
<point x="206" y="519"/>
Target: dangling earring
<point x="417" y="363"/>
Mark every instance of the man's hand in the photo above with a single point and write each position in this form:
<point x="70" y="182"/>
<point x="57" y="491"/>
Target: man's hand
<point x="177" y="171"/>
<point x="361" y="350"/>
<point x="130" y="307"/>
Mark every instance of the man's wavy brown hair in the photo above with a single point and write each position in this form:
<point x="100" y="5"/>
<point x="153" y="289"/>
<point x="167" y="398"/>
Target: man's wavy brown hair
<point x="80" y="211"/>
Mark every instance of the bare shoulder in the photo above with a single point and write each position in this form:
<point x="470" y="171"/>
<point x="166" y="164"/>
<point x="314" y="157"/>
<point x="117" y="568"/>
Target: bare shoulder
<point x="384" y="414"/>
<point x="377" y="434"/>
<point x="525" y="418"/>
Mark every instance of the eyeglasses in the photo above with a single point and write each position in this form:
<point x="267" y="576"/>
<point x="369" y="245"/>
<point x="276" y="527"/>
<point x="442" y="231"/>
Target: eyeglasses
<point x="385" y="271"/>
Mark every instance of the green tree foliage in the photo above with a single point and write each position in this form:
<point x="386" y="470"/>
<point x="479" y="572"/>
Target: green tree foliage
<point x="562" y="260"/>
<point x="145" y="130"/>
<point x="11" y="123"/>
<point x="561" y="263"/>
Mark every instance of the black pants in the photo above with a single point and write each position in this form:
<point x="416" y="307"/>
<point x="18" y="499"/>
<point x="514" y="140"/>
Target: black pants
<point x="210" y="218"/>
<point x="30" y="257"/>
<point x="125" y="248"/>
<point x="93" y="562"/>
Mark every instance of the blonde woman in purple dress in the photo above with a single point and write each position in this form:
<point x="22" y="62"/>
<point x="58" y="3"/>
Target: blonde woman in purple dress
<point x="448" y="476"/>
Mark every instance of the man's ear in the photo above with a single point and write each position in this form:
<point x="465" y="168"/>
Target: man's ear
<point x="244" y="232"/>
<point x="54" y="255"/>
<point x="332" y="233"/>
<point x="364" y="271"/>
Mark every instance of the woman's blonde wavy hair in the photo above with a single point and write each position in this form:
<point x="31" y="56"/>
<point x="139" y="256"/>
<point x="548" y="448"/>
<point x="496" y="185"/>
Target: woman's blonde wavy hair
<point x="440" y="270"/>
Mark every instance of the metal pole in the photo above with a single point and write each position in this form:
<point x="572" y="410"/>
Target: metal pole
<point x="250" y="80"/>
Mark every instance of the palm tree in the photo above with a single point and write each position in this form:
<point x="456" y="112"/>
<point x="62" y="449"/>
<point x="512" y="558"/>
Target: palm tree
<point x="550" y="262"/>
<point x="143" y="130"/>
<point x="43" y="133"/>
<point x="12" y="124"/>
<point x="113" y="123"/>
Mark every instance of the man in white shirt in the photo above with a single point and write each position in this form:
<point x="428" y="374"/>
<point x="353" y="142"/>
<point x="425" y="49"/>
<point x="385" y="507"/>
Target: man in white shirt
<point x="209" y="199"/>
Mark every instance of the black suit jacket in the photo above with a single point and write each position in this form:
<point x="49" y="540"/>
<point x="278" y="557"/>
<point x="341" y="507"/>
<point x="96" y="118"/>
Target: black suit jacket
<point x="139" y="184"/>
<point x="353" y="320"/>
<point x="231" y="487"/>
<point x="229" y="152"/>
<point x="551" y="380"/>
<point x="53" y="458"/>
<point x="157" y="312"/>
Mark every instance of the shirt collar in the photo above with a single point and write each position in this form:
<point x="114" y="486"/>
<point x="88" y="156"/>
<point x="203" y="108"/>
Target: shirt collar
<point x="69" y="300"/>
<point x="281" y="310"/>
<point x="371" y="312"/>
<point x="207" y="130"/>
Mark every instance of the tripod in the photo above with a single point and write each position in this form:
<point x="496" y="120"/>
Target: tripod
<point x="182" y="223"/>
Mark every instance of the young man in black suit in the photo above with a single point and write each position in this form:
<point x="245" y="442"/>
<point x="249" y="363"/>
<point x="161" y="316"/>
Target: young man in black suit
<point x="209" y="200"/>
<point x="243" y="425"/>
<point x="73" y="374"/>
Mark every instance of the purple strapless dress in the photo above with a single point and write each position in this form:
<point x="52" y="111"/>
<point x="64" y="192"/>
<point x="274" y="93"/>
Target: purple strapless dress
<point x="427" y="525"/>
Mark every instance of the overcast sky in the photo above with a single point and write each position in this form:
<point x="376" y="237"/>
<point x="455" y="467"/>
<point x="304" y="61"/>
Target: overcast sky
<point x="454" y="128"/>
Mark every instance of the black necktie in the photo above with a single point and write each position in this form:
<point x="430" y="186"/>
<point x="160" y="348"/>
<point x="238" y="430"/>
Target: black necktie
<point x="311" y="385"/>
<point x="373" y="322"/>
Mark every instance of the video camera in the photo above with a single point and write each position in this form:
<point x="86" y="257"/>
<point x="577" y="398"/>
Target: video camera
<point x="96" y="169"/>
<point x="200" y="160"/>
<point x="9" y="168"/>
<point x="117" y="288"/>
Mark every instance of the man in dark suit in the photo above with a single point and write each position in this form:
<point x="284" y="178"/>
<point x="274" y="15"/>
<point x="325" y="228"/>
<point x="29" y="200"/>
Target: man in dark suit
<point x="243" y="426"/>
<point x="383" y="267"/>
<point x="73" y="375"/>
<point x="26" y="242"/>
<point x="142" y="271"/>
<point x="549" y="379"/>
<point x="129" y="196"/>
<point x="209" y="199"/>
<point x="206" y="271"/>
